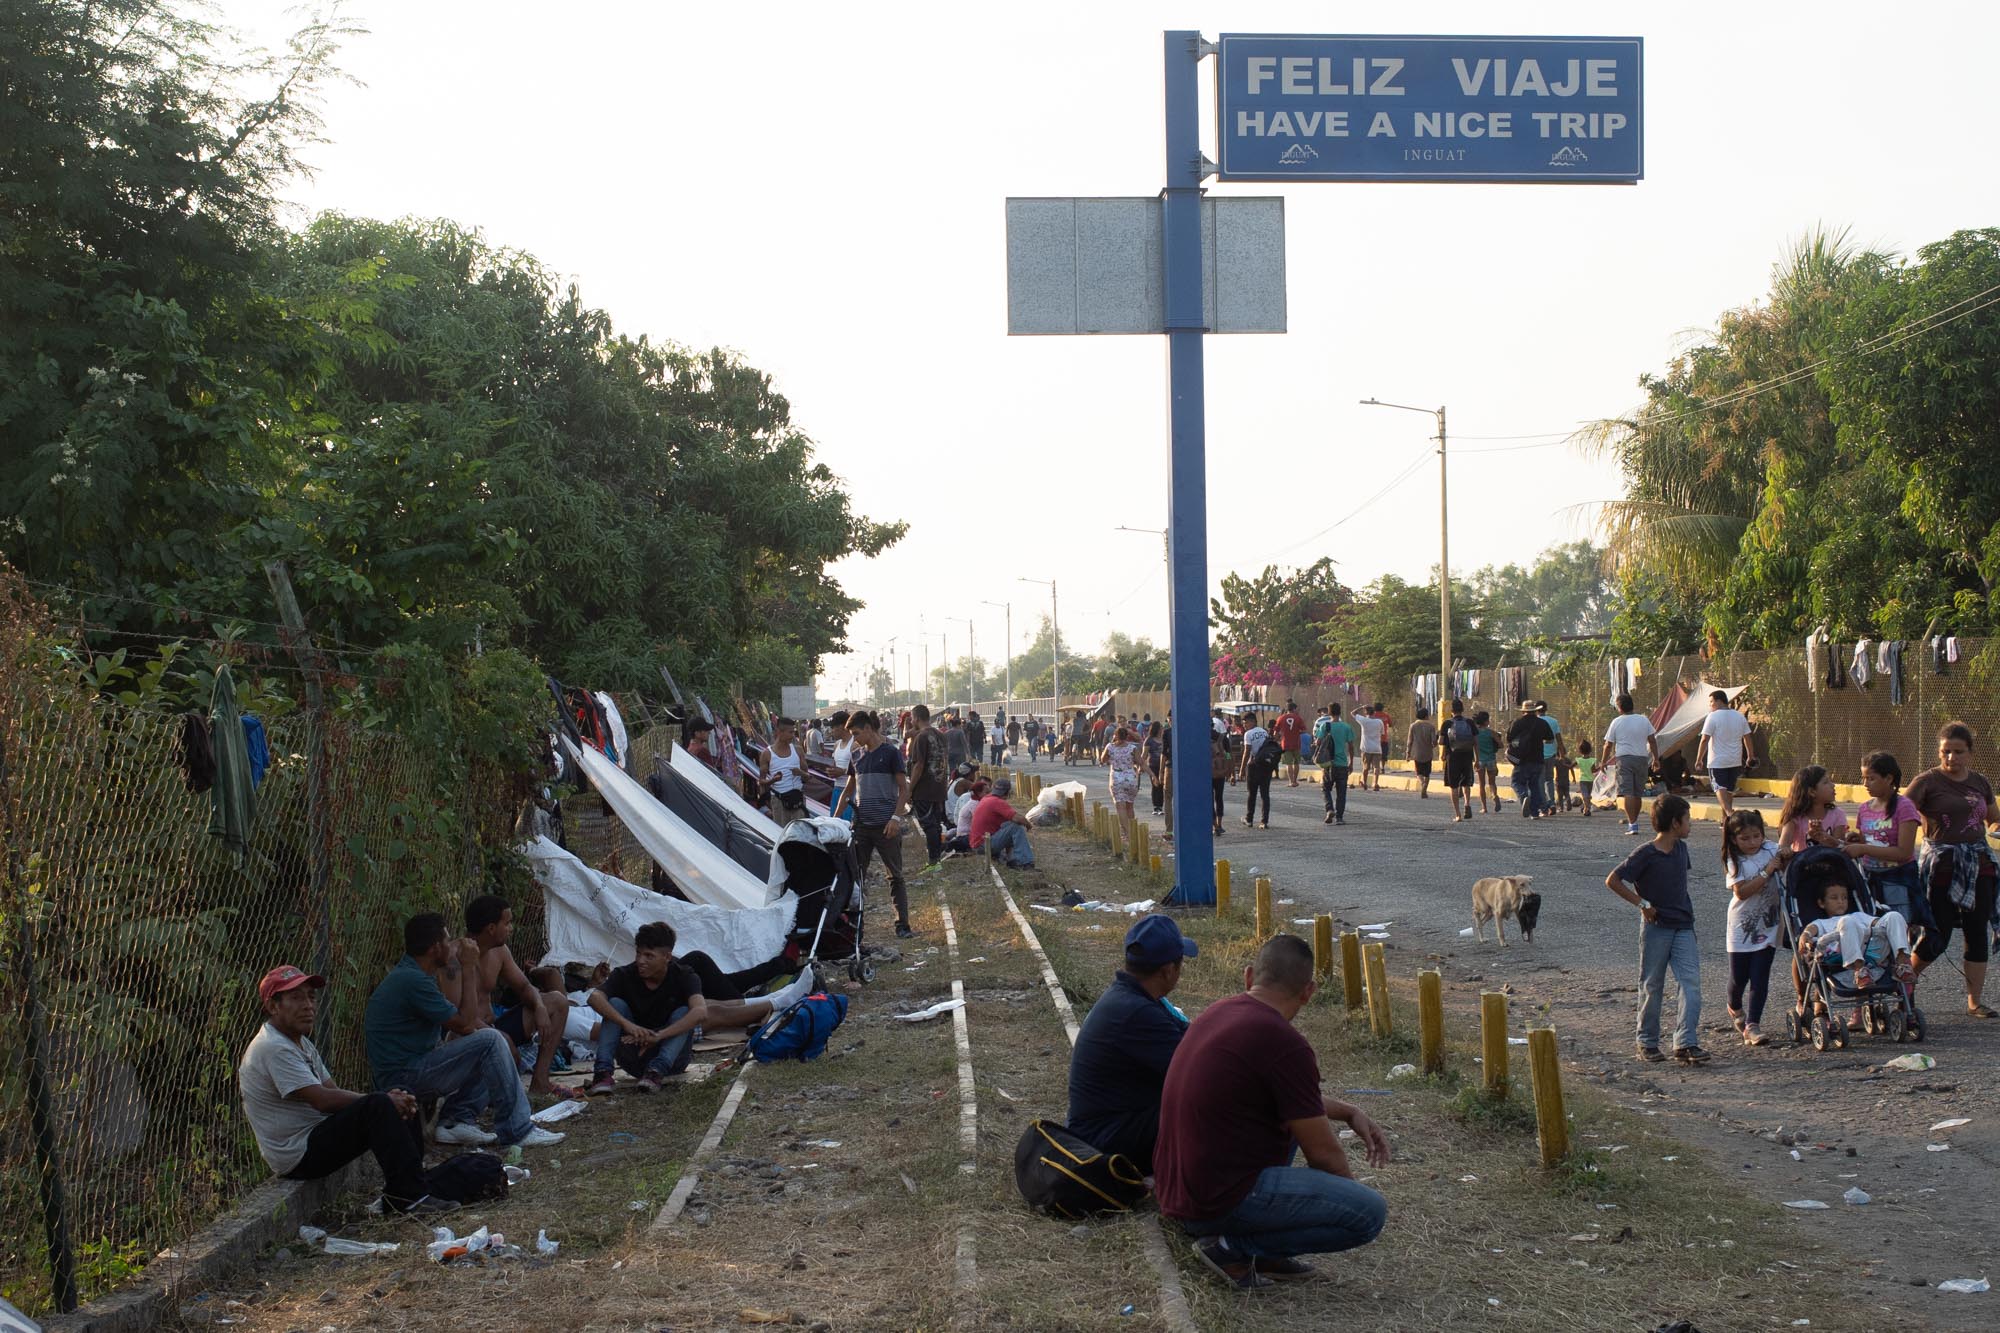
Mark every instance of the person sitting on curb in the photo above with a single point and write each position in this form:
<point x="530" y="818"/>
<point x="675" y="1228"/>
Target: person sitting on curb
<point x="405" y="1023"/>
<point x="652" y="1007"/>
<point x="1127" y="1042"/>
<point x="484" y="962"/>
<point x="1000" y="829"/>
<point x="1241" y="1096"/>
<point x="307" y="1126"/>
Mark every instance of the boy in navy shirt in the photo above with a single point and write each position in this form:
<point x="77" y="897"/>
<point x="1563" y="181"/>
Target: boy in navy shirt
<point x="1654" y="879"/>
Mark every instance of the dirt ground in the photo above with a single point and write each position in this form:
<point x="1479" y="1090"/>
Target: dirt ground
<point x="838" y="1198"/>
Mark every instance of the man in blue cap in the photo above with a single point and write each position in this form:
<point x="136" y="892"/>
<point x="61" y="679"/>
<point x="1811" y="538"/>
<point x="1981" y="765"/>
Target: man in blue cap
<point x="1126" y="1043"/>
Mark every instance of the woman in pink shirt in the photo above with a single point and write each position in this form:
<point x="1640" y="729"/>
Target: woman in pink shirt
<point x="1810" y="816"/>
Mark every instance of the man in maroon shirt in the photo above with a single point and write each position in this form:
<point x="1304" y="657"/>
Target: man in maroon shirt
<point x="1241" y="1095"/>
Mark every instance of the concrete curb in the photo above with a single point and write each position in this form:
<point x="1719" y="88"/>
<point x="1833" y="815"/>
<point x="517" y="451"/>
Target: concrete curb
<point x="268" y="1214"/>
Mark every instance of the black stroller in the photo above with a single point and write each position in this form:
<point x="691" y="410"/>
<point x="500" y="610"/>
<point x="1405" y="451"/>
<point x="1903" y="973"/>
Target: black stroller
<point x="1887" y="1004"/>
<point x="815" y="860"/>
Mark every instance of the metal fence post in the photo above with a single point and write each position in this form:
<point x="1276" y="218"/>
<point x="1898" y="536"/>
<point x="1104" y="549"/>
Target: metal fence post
<point x="34" y="1033"/>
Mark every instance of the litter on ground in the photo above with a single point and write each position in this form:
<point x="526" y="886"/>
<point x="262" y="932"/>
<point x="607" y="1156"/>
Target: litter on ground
<point x="1804" y="1203"/>
<point x="1856" y="1196"/>
<point x="1912" y="1063"/>
<point x="562" y="1110"/>
<point x="925" y="1015"/>
<point x="1402" y="1071"/>
<point x="1943" y="1125"/>
<point x="341" y="1245"/>
<point x="1937" y="1147"/>
<point x="1964" y="1284"/>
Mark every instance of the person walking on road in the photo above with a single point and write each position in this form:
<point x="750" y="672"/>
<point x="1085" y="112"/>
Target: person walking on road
<point x="1371" y="745"/>
<point x="1525" y="740"/>
<point x="1261" y="753"/>
<point x="878" y="791"/>
<point x="1955" y="864"/>
<point x="1553" y="752"/>
<point x="1724" y="749"/>
<point x="1460" y="739"/>
<point x="930" y="765"/>
<point x="1486" y="762"/>
<point x="1290" y="728"/>
<point x="1122" y="757"/>
<point x="1423" y="741"/>
<point x="1333" y="748"/>
<point x="1630" y="744"/>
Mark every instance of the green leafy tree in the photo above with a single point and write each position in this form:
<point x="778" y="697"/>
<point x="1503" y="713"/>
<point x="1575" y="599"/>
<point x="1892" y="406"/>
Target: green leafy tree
<point x="1275" y="619"/>
<point x="1391" y="633"/>
<point x="1563" y="593"/>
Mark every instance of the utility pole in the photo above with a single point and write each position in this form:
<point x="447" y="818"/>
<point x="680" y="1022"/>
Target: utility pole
<point x="972" y="664"/>
<point x="1444" y="547"/>
<point x="1007" y="657"/>
<point x="1055" y="643"/>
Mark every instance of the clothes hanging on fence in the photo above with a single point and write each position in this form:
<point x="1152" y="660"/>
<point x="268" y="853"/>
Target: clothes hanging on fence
<point x="233" y="798"/>
<point x="1860" y="667"/>
<point x="1892" y="667"/>
<point x="1813" y="641"/>
<point x="1951" y="648"/>
<point x="1836" y="670"/>
<point x="617" y="726"/>
<point x="194" y="754"/>
<point x="256" y="747"/>
<point x="1937" y="654"/>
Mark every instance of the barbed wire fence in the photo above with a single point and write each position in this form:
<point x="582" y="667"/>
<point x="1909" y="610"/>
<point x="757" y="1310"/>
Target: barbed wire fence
<point x="131" y="941"/>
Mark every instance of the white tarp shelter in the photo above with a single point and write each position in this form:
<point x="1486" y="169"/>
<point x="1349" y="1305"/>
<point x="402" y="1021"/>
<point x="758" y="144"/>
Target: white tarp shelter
<point x="715" y="789"/>
<point x="703" y="871"/>
<point x="1685" y="722"/>
<point x="592" y="917"/>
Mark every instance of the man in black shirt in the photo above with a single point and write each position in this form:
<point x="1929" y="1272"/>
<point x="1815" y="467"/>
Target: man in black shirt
<point x="1126" y="1043"/>
<point x="1525" y="739"/>
<point x="930" y="766"/>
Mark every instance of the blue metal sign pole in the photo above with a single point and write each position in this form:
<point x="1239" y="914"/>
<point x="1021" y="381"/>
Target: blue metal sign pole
<point x="1187" y="506"/>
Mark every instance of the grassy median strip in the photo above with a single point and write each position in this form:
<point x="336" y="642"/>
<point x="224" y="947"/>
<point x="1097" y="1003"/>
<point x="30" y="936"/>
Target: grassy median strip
<point x="1632" y="1231"/>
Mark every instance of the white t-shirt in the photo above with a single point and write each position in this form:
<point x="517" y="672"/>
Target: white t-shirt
<point x="274" y="1067"/>
<point x="1371" y="732"/>
<point x="1626" y="736"/>
<point x="1753" y="922"/>
<point x="1726" y="730"/>
<point x="843" y="753"/>
<point x="1253" y="741"/>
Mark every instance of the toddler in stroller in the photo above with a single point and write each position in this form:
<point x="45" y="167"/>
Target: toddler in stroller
<point x="1849" y="952"/>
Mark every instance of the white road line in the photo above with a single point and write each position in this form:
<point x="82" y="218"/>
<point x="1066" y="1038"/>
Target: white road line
<point x="1173" y="1301"/>
<point x="1049" y="979"/>
<point x="965" y="1274"/>
<point x="691" y="1173"/>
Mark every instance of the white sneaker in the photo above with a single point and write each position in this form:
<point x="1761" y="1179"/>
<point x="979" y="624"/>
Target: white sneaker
<point x="465" y="1132"/>
<point x="537" y="1137"/>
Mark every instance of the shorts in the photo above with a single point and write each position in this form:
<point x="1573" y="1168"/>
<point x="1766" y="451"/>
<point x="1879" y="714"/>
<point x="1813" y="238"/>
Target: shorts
<point x="514" y="1022"/>
<point x="1458" y="769"/>
<point x="1290" y="759"/>
<point x="1632" y="774"/>
<point x="1423" y="767"/>
<point x="1725" y="779"/>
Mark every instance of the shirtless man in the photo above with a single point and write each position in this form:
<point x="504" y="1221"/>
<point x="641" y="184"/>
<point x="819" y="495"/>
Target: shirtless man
<point x="484" y="961"/>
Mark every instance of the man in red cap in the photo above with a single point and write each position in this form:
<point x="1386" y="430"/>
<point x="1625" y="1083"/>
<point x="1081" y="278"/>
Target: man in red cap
<point x="307" y="1126"/>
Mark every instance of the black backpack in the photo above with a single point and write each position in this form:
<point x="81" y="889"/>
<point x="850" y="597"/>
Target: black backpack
<point x="1269" y="753"/>
<point x="1460" y="735"/>
<point x="1062" y="1176"/>
<point x="467" y="1178"/>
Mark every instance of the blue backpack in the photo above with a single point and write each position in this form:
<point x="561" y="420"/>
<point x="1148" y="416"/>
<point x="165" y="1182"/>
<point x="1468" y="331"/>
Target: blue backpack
<point x="801" y="1031"/>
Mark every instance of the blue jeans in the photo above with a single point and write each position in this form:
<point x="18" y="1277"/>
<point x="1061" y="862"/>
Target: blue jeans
<point x="471" y="1074"/>
<point x="1548" y="782"/>
<point x="1009" y="846"/>
<point x="1298" y="1210"/>
<point x="1661" y="948"/>
<point x="1528" y="788"/>
<point x="663" y="1058"/>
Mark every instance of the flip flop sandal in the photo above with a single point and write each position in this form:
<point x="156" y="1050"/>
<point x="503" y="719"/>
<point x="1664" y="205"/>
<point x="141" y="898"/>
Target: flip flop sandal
<point x="1981" y="1011"/>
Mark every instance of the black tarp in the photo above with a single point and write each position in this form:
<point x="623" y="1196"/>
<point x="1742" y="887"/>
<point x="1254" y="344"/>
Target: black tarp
<point x="734" y="838"/>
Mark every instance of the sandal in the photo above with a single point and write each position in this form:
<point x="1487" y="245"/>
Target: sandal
<point x="1737" y="1019"/>
<point x="1981" y="1011"/>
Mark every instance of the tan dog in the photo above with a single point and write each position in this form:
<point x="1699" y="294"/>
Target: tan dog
<point x="1500" y="896"/>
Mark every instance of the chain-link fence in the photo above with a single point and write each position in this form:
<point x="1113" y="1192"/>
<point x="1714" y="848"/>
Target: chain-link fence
<point x="131" y="941"/>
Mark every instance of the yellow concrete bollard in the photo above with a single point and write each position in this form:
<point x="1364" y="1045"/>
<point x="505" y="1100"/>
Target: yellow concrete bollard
<point x="1551" y="1123"/>
<point x="1430" y="1021"/>
<point x="1350" y="967"/>
<point x="1493" y="1041"/>
<point x="1222" y="887"/>
<point x="1323" y="947"/>
<point x="1263" y="887"/>
<point x="1377" y="966"/>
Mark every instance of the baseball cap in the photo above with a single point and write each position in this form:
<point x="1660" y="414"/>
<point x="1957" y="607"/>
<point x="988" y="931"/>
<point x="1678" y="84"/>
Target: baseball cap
<point x="1003" y="787"/>
<point x="285" y="977"/>
<point x="1156" y="939"/>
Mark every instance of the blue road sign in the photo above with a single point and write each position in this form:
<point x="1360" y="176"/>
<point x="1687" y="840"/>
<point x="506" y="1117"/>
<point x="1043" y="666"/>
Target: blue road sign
<point x="1367" y="108"/>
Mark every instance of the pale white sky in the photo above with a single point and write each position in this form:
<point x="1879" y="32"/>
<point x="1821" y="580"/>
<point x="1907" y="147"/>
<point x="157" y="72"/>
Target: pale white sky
<point x="821" y="188"/>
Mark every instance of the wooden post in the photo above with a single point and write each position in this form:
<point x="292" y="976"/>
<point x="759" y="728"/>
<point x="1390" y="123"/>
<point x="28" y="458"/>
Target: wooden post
<point x="1350" y="967"/>
<point x="1378" y="989"/>
<point x="1322" y="946"/>
<point x="1117" y="835"/>
<point x="1430" y="1021"/>
<point x="1222" y="887"/>
<point x="1142" y="844"/>
<point x="1493" y="1040"/>
<point x="1551" y="1123"/>
<point x="1155" y="865"/>
<point x="1263" y="908"/>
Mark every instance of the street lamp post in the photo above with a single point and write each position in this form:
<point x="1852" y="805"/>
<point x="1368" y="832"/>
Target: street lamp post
<point x="1055" y="644"/>
<point x="1008" y="659"/>
<point x="1444" y="547"/>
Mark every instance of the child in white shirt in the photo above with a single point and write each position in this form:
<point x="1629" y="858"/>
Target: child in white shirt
<point x="1858" y="942"/>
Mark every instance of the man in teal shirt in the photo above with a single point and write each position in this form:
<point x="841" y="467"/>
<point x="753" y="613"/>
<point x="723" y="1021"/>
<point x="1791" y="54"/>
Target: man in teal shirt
<point x="405" y="1023"/>
<point x="1334" y="739"/>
